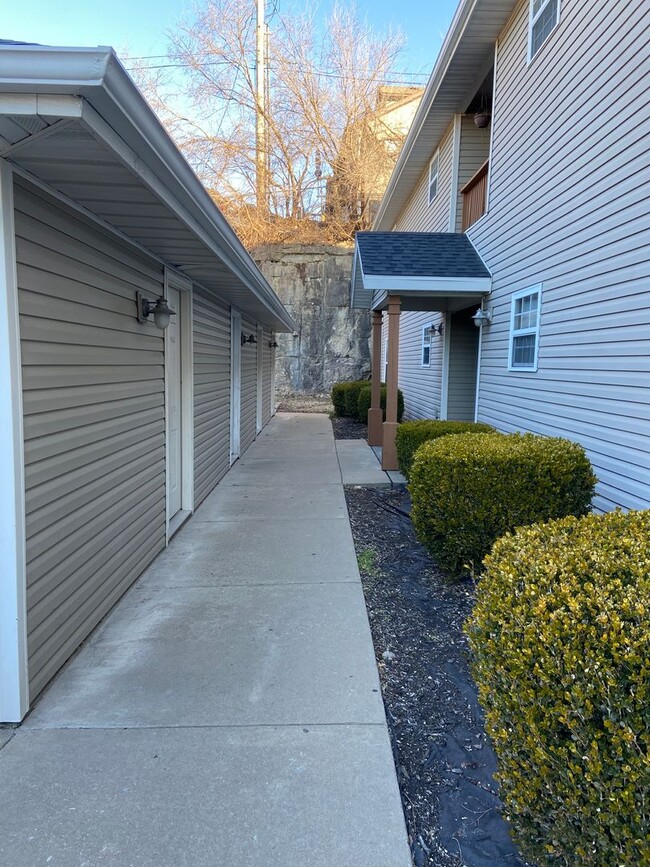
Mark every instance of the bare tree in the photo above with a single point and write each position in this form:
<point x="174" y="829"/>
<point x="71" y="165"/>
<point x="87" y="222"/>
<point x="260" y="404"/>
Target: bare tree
<point x="322" y="115"/>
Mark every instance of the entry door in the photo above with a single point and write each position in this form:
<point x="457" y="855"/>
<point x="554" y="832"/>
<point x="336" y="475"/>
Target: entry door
<point x="173" y="371"/>
<point x="235" y="384"/>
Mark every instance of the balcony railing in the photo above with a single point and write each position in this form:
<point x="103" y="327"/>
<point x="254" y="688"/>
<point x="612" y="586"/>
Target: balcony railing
<point x="475" y="197"/>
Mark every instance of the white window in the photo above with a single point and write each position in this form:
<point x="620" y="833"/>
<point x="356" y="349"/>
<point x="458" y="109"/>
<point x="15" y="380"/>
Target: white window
<point x="433" y="178"/>
<point x="425" y="355"/>
<point x="524" y="329"/>
<point x="544" y="18"/>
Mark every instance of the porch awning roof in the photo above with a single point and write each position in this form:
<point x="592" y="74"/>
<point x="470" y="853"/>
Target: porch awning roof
<point x="428" y="270"/>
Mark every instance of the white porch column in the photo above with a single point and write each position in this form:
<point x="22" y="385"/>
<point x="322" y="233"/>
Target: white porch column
<point x="14" y="683"/>
<point x="375" y="414"/>
<point x="388" y="452"/>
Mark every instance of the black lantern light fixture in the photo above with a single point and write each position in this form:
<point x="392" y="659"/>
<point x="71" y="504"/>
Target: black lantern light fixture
<point x="273" y="344"/>
<point x="160" y="308"/>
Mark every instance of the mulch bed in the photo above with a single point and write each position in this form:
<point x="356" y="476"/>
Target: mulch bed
<point x="349" y="429"/>
<point x="444" y="762"/>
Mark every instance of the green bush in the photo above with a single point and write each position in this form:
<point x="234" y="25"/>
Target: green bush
<point x="344" y="397"/>
<point x="561" y="642"/>
<point x="412" y="434"/>
<point x="364" y="399"/>
<point x="469" y="489"/>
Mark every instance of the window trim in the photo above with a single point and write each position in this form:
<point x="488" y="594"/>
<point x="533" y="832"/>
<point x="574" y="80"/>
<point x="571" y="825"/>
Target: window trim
<point x="532" y="20"/>
<point x="426" y="330"/>
<point x="522" y="332"/>
<point x="434" y="159"/>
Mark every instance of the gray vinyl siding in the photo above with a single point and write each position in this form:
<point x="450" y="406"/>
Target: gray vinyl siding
<point x="420" y="216"/>
<point x="94" y="425"/>
<point x="473" y="152"/>
<point x="463" y="358"/>
<point x="572" y="211"/>
<point x="211" y="327"/>
<point x="248" y="387"/>
<point x="421" y="385"/>
<point x="267" y="376"/>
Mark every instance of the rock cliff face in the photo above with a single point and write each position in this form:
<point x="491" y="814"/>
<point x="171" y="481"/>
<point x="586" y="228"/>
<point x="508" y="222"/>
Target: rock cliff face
<point x="332" y="342"/>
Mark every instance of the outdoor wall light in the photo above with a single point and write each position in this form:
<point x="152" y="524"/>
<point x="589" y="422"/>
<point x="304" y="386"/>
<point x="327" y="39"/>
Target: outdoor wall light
<point x="273" y="344"/>
<point x="252" y="338"/>
<point x="436" y="329"/>
<point x="482" y="317"/>
<point x="161" y="310"/>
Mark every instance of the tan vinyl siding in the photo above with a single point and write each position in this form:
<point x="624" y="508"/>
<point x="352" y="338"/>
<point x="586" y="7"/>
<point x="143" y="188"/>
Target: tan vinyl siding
<point x="474" y="151"/>
<point x="211" y="326"/>
<point x="248" y="387"/>
<point x="420" y="216"/>
<point x="463" y="357"/>
<point x="421" y="385"/>
<point x="572" y="211"/>
<point x="267" y="376"/>
<point x="94" y="425"/>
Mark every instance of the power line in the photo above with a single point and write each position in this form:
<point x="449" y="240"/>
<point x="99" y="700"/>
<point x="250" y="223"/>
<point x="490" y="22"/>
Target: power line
<point x="320" y="73"/>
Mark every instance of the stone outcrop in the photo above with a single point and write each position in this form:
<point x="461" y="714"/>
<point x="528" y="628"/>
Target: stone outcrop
<point x="332" y="342"/>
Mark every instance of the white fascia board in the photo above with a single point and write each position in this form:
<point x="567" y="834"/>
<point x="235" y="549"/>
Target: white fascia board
<point x="427" y="285"/>
<point x="122" y="113"/>
<point x="14" y="685"/>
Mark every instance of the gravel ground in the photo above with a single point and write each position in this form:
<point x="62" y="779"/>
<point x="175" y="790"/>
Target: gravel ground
<point x="306" y="403"/>
<point x="444" y="761"/>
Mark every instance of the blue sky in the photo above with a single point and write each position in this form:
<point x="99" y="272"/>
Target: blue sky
<point x="140" y="25"/>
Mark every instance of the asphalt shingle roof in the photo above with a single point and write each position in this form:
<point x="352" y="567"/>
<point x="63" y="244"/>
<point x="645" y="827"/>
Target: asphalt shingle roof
<point x="419" y="254"/>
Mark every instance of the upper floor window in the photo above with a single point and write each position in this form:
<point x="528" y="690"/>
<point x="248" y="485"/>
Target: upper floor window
<point x="433" y="178"/>
<point x="544" y="17"/>
<point x="524" y="329"/>
<point x="425" y="357"/>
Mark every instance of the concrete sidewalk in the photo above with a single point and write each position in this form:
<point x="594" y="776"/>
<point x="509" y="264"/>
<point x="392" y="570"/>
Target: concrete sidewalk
<point x="227" y="713"/>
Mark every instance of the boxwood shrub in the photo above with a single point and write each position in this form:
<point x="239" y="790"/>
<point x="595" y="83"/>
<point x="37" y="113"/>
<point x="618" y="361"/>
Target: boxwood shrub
<point x="344" y="397"/>
<point x="412" y="434"/>
<point x="364" y="400"/>
<point x="561" y="641"/>
<point x="469" y="489"/>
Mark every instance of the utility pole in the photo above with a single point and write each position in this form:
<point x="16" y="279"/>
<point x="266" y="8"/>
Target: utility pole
<point x="261" y="177"/>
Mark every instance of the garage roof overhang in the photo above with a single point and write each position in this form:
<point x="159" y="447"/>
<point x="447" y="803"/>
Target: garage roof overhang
<point x="428" y="270"/>
<point x="464" y="59"/>
<point x="72" y="120"/>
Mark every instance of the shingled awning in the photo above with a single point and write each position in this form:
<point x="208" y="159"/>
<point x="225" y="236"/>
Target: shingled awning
<point x="428" y="270"/>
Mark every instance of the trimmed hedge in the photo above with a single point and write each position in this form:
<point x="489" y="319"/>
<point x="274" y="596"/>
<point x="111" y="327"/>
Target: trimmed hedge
<point x="412" y="434"/>
<point x="344" y="397"/>
<point x="364" y="400"/>
<point x="561" y="640"/>
<point x="469" y="489"/>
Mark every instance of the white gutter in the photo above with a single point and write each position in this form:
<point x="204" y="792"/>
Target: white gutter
<point x="98" y="76"/>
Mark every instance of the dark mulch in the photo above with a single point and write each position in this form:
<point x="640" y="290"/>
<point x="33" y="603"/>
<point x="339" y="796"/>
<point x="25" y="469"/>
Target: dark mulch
<point x="444" y="761"/>
<point x="349" y="429"/>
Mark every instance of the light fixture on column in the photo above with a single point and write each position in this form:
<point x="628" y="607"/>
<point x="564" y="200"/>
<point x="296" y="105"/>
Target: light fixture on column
<point x="273" y="344"/>
<point x="482" y="317"/>
<point x="160" y="308"/>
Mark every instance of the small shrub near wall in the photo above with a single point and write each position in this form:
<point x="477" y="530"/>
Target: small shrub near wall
<point x="344" y="397"/>
<point x="412" y="434"/>
<point x="469" y="489"/>
<point x="561" y="641"/>
<point x="364" y="400"/>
